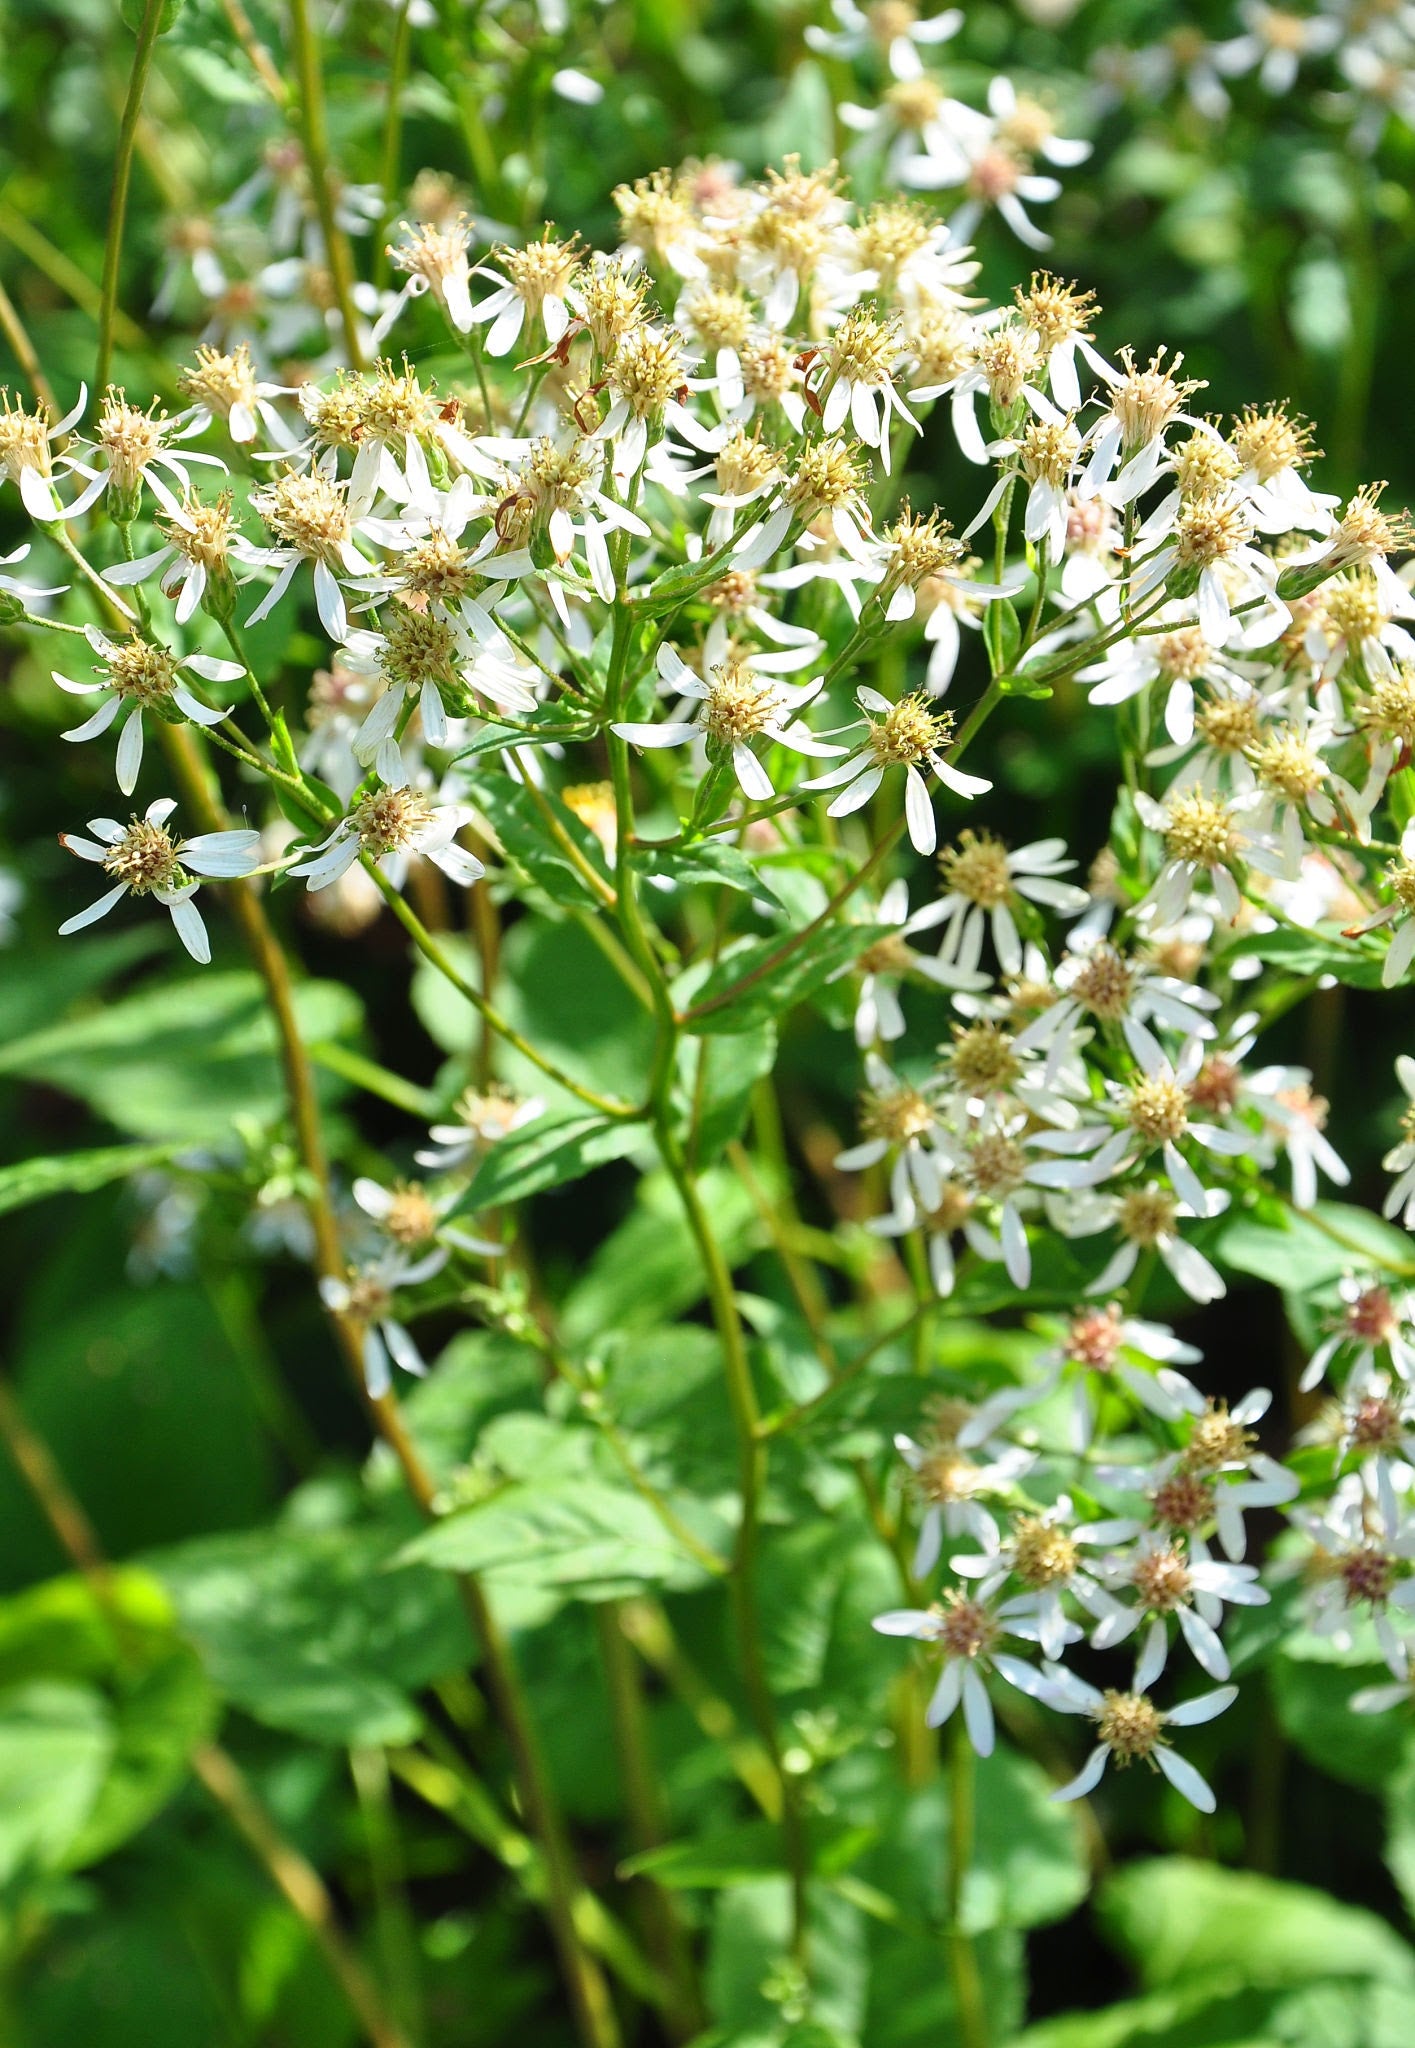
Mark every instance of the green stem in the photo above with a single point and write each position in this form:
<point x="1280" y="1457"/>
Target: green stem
<point x="427" y="945"/>
<point x="963" y="1960"/>
<point x="392" y="136"/>
<point x="663" y="1927"/>
<point x="148" y="32"/>
<point x="314" y="140"/>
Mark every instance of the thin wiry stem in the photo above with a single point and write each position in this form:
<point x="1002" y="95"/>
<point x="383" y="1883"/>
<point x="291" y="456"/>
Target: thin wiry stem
<point x="314" y="140"/>
<point x="148" y="31"/>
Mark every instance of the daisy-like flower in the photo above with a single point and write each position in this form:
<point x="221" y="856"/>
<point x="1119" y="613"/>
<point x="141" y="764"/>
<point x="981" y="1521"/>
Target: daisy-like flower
<point x="483" y="1117"/>
<point x="1130" y="1728"/>
<point x="1044" y="1554"/>
<point x="887" y="962"/>
<point x="903" y="735"/>
<point x="983" y="879"/>
<point x="226" y="387"/>
<point x="1373" y="1319"/>
<point x="434" y="258"/>
<point x="1274" y="43"/>
<point x="1141" y="405"/>
<point x="145" y="860"/>
<point x="145" y="678"/>
<point x="1294" y="1121"/>
<point x="560" y="491"/>
<point x="1399" y="912"/>
<point x="1216" y="1478"/>
<point x="311" y="519"/>
<point x="1147" y="1219"/>
<point x="1096" y="982"/>
<point x="1164" y="1578"/>
<point x="130" y="449"/>
<point x="966" y="1633"/>
<point x="990" y="156"/>
<point x="995" y="1159"/>
<point x="1400" y="1160"/>
<point x="414" y="1219"/>
<point x="737" y="704"/>
<point x="388" y="827"/>
<point x="1174" y="661"/>
<point x="897" y="1118"/>
<point x="1091" y="1354"/>
<point x="951" y="1484"/>
<point x="895" y="28"/>
<point x="1205" y="836"/>
<point x="1004" y="367"/>
<point x="534" y="287"/>
<point x="1060" y="316"/>
<point x="1360" y="1564"/>
<point x="26" y="452"/>
<point x="366" y="1296"/>
<point x="855" y="376"/>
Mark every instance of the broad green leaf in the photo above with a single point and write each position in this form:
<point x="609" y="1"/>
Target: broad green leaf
<point x="649" y="1271"/>
<point x="750" y="1946"/>
<point x="1027" y="1866"/>
<point x="1295" y="1252"/>
<point x="583" y="1538"/>
<point x="1400" y="1825"/>
<point x="157" y="1701"/>
<point x="1351" y="961"/>
<point x="1313" y="1701"/>
<point x="912" y="2002"/>
<point x="711" y="862"/>
<point x="725" y="1072"/>
<point x="59" y="975"/>
<point x="1179" y="1920"/>
<point x="159" y="1716"/>
<point x="307" y="1630"/>
<point x="75" y="1173"/>
<point x="56" y="1741"/>
<point x="177" y="1060"/>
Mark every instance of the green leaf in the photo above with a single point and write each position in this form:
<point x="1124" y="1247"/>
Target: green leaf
<point x="649" y="1271"/>
<point x="74" y="1173"/>
<point x="1292" y="1250"/>
<point x="583" y="1538"/>
<point x="545" y="1153"/>
<point x="708" y="862"/>
<point x="307" y="1631"/>
<point x="1351" y="961"/>
<point x="56" y="1741"/>
<point x="159" y="1716"/>
<point x="750" y="1948"/>
<point x="1313" y="1703"/>
<point x="725" y="1075"/>
<point x="527" y="840"/>
<point x="760" y="988"/>
<point x="1180" y="1920"/>
<point x="1002" y="634"/>
<point x="179" y="1059"/>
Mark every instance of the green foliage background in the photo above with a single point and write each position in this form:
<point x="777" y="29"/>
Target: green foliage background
<point x="272" y="1582"/>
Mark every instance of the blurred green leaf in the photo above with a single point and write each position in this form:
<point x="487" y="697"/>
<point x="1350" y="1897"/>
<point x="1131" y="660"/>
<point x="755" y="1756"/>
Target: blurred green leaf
<point x="74" y="1173"/>
<point x="308" y="1631"/>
